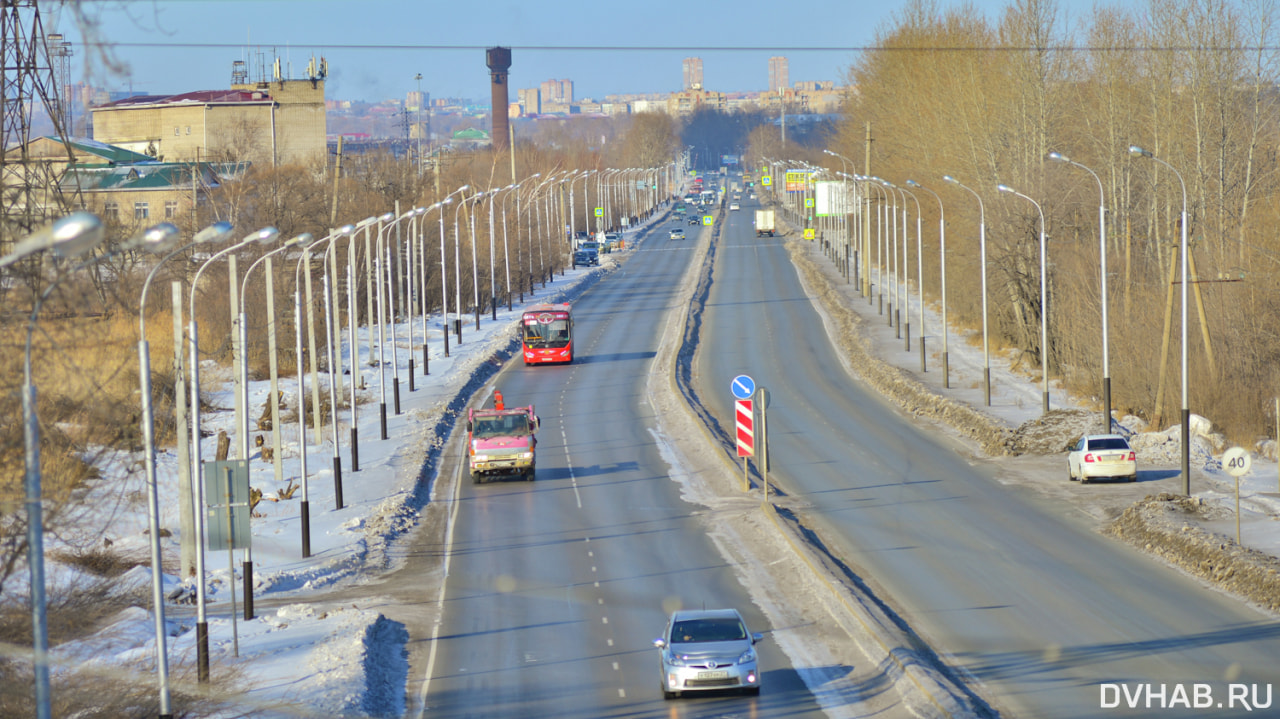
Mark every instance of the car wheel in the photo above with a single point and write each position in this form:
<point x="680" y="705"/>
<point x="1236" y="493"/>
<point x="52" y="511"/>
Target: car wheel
<point x="1083" y="479"/>
<point x="1071" y="476"/>
<point x="751" y="691"/>
<point x="669" y="695"/>
<point x="1133" y="478"/>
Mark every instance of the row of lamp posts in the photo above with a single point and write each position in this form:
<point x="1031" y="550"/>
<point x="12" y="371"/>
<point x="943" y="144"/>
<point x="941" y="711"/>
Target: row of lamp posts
<point x="886" y="257"/>
<point x="80" y="233"/>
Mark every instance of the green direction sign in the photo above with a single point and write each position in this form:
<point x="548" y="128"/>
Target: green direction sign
<point x="226" y="489"/>
<point x="599" y="212"/>
<point x="766" y="180"/>
<point x="707" y="220"/>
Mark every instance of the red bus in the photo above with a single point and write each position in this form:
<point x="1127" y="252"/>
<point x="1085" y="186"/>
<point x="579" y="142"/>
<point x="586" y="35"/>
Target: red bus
<point x="546" y="334"/>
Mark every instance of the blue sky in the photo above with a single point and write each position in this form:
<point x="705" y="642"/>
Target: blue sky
<point x="375" y="47"/>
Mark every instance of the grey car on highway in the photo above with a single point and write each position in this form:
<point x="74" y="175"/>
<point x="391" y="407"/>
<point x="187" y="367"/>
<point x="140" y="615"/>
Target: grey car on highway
<point x="706" y="650"/>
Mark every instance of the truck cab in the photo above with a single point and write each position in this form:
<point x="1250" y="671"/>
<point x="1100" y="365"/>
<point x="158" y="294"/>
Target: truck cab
<point x="502" y="443"/>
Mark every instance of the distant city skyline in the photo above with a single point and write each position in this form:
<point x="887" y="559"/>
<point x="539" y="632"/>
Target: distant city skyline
<point x="175" y="46"/>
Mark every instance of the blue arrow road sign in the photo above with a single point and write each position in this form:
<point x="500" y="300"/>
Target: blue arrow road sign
<point x="743" y="387"/>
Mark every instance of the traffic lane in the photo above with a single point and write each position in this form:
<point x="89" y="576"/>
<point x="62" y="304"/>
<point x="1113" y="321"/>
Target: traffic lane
<point x="527" y="583"/>
<point x="518" y="632"/>
<point x="900" y="492"/>
<point x="654" y="553"/>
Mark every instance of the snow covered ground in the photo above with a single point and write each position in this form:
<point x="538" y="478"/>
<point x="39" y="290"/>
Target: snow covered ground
<point x="299" y="660"/>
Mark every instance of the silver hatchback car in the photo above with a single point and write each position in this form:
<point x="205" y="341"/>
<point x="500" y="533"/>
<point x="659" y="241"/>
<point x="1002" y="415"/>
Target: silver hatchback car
<point x="707" y="649"/>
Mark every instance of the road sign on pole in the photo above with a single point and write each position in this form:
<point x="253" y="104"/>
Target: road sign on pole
<point x="742" y="386"/>
<point x="745" y="421"/>
<point x="1237" y="462"/>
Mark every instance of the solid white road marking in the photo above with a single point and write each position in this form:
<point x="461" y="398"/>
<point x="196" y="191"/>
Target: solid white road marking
<point x="435" y="629"/>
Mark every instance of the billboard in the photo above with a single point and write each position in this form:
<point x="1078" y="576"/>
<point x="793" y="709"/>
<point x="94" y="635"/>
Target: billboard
<point x="798" y="180"/>
<point x="728" y="159"/>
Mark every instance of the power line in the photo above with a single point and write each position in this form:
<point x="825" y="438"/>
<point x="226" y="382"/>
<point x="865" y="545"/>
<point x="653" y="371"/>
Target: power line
<point x="704" y="48"/>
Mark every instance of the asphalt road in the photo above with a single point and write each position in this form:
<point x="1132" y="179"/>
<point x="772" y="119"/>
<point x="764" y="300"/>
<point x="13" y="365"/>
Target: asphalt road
<point x="557" y="588"/>
<point x="1029" y="606"/>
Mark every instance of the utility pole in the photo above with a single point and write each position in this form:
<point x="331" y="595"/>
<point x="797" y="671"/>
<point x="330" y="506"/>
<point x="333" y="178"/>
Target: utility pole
<point x="32" y="192"/>
<point x="418" y="122"/>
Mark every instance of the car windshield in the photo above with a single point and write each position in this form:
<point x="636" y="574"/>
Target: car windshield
<point x="716" y="629"/>
<point x="1109" y="443"/>
<point x="511" y="425"/>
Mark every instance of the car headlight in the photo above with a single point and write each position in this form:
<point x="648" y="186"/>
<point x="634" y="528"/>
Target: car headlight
<point x="526" y="455"/>
<point x="747" y="657"/>
<point x="675" y="660"/>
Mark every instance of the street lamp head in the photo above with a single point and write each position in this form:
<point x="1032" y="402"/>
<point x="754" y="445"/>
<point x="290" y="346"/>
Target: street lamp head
<point x="155" y="239"/>
<point x="345" y="231"/>
<point x="213" y="234"/>
<point x="446" y="201"/>
<point x="304" y="238"/>
<point x="265" y="236"/>
<point x="1006" y="188"/>
<point x="71" y="236"/>
<point x="1059" y="157"/>
<point x="366" y="222"/>
<point x="464" y="187"/>
<point x="913" y="183"/>
<point x="387" y="217"/>
<point x="949" y="178"/>
<point x="1136" y="151"/>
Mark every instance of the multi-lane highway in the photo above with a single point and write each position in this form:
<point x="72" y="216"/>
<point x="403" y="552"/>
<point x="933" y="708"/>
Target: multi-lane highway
<point x="557" y="588"/>
<point x="1033" y="608"/>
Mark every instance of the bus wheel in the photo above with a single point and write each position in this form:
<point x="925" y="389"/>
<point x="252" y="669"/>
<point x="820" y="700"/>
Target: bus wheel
<point x="528" y="476"/>
<point x="476" y="479"/>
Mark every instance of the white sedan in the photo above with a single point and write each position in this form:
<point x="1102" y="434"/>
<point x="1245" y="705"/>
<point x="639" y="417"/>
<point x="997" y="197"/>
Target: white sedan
<point x="734" y="206"/>
<point x="1098" y="456"/>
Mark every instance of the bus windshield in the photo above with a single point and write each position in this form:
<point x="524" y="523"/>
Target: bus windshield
<point x="546" y="330"/>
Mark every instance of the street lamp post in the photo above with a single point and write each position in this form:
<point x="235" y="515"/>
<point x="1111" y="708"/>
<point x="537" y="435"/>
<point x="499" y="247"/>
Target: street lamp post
<point x="919" y="279"/>
<point x="70" y="236"/>
<point x="263" y="237"/>
<point x="422" y="281"/>
<point x="942" y="271"/>
<point x="982" y="251"/>
<point x="1044" y="298"/>
<point x="444" y="276"/>
<point x="1102" y="257"/>
<point x="493" y="290"/>
<point x="305" y="508"/>
<point x="273" y="393"/>
<point x="1136" y="151"/>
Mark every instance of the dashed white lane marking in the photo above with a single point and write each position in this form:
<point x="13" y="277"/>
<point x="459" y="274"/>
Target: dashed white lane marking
<point x="615" y="666"/>
<point x="568" y="463"/>
<point x="609" y="642"/>
<point x="604" y="620"/>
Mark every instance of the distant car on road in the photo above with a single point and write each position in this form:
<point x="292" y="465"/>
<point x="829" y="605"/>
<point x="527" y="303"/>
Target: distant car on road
<point x="734" y="206"/>
<point x="1099" y="456"/>
<point x="612" y="241"/>
<point x="587" y="254"/>
<point x="676" y="234"/>
<point x="707" y="650"/>
<point x="695" y="221"/>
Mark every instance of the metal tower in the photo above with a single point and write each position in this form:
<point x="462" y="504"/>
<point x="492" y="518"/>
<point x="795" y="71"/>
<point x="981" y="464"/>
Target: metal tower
<point x="29" y="185"/>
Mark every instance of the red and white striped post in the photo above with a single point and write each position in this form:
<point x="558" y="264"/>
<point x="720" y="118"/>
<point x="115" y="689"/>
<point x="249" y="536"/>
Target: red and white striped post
<point x="745" y="421"/>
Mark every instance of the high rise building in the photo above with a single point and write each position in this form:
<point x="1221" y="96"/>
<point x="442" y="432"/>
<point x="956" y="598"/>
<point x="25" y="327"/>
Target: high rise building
<point x="692" y="73"/>
<point x="530" y="100"/>
<point x="557" y="92"/>
<point x="777" y="73"/>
